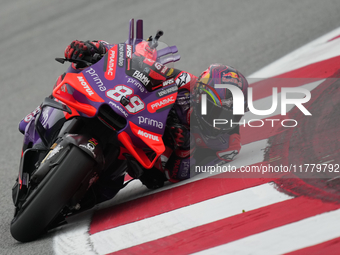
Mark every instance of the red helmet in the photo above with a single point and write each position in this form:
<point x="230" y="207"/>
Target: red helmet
<point x="219" y="101"/>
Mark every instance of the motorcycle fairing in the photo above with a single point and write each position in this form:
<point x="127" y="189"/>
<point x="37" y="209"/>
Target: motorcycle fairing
<point x="79" y="83"/>
<point x="93" y="87"/>
<point x="153" y="140"/>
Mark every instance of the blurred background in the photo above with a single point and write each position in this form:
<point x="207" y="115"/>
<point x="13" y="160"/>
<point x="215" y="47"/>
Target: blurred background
<point x="245" y="34"/>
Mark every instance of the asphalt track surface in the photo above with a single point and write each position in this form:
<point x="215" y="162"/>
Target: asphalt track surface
<point x="245" y="34"/>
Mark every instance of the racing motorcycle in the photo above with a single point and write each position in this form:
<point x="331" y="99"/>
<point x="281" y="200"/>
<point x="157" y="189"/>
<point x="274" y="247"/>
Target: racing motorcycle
<point x="111" y="114"/>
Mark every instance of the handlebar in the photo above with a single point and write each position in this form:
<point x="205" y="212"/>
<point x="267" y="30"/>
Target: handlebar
<point x="89" y="60"/>
<point x="86" y="61"/>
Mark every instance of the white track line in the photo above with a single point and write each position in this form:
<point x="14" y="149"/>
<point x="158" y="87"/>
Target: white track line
<point x="287" y="238"/>
<point x="75" y="239"/>
<point x="185" y="218"/>
<point x="250" y="154"/>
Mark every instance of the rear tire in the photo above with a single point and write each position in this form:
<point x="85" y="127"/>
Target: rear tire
<point x="51" y="196"/>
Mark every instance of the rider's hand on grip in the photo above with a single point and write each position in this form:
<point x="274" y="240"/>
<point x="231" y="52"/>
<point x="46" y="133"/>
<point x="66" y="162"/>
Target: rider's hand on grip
<point x="79" y="49"/>
<point x="180" y="136"/>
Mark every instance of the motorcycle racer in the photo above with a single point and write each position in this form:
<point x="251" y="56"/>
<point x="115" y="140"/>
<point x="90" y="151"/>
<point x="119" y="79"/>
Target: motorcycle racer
<point x="186" y="131"/>
<point x="120" y="111"/>
<point x="194" y="133"/>
<point x="188" y="134"/>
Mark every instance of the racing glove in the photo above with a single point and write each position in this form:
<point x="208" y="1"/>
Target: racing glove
<point x="79" y="49"/>
<point x="180" y="136"/>
<point x="180" y="162"/>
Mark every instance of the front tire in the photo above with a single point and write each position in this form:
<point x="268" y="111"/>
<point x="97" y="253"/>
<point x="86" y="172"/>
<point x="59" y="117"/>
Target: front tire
<point x="48" y="199"/>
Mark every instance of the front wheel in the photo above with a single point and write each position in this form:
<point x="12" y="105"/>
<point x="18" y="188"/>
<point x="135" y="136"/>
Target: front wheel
<point x="45" y="203"/>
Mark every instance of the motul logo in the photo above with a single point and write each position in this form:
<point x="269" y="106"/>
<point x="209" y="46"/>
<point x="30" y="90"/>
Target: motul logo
<point x="85" y="85"/>
<point x="147" y="135"/>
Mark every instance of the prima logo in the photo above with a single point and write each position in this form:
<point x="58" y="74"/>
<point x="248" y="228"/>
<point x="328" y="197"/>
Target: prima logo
<point x="136" y="83"/>
<point x="151" y="122"/>
<point x="96" y="78"/>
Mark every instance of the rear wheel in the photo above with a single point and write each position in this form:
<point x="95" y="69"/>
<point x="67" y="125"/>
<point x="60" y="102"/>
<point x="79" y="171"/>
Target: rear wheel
<point x="47" y="200"/>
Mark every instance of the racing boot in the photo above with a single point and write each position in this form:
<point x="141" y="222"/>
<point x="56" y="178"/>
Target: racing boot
<point x="234" y="148"/>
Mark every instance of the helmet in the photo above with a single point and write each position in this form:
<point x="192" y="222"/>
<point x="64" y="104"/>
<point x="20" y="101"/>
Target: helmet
<point x="219" y="101"/>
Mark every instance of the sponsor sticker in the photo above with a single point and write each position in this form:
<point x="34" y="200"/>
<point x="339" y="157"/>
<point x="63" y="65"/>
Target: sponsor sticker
<point x="170" y="72"/>
<point x="167" y="91"/>
<point x="148" y="135"/>
<point x="53" y="153"/>
<point x="137" y="84"/>
<point x="121" y="55"/>
<point x="120" y="109"/>
<point x="158" y="66"/>
<point x="168" y="82"/>
<point x="150" y="122"/>
<point x="183" y="79"/>
<point x="85" y="85"/>
<point x="128" y="51"/>
<point x="90" y="147"/>
<point x="153" y="140"/>
<point x="93" y="141"/>
<point x="161" y="103"/>
<point x="164" y="69"/>
<point x="231" y="77"/>
<point x="141" y="77"/>
<point x="111" y="63"/>
<point x="96" y="78"/>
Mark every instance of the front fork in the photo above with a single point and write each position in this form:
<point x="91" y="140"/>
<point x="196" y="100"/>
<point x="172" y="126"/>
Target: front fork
<point x="31" y="174"/>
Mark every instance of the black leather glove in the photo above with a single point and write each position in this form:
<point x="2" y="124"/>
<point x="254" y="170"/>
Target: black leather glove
<point x="180" y="136"/>
<point x="79" y="49"/>
<point x="153" y="178"/>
